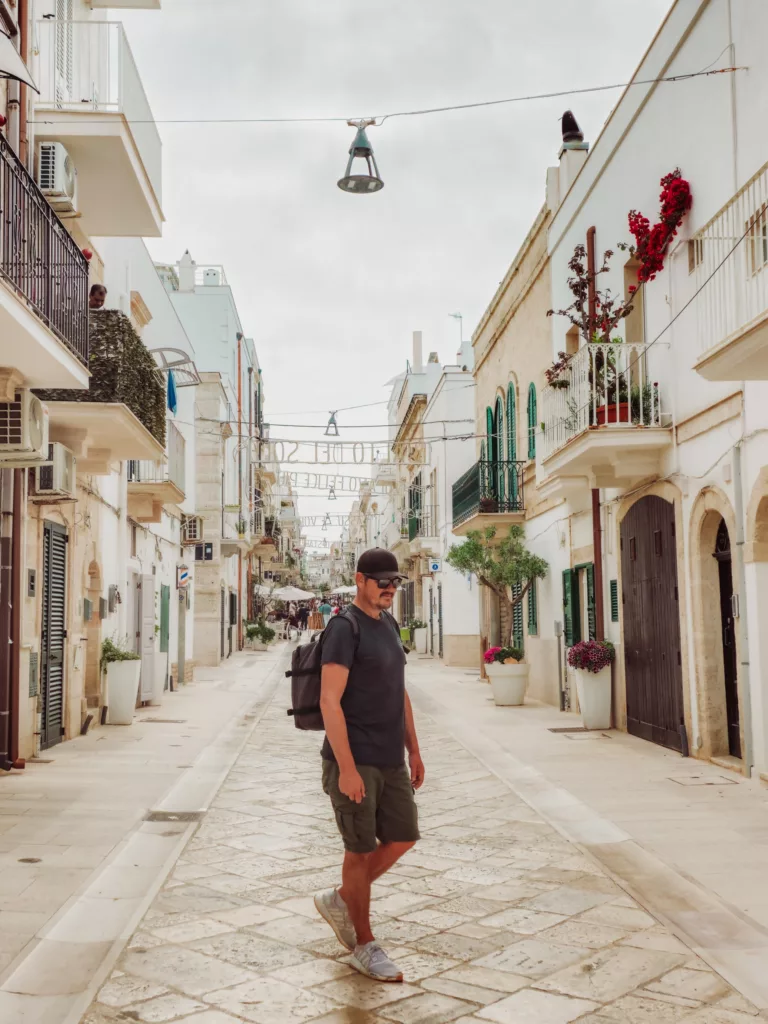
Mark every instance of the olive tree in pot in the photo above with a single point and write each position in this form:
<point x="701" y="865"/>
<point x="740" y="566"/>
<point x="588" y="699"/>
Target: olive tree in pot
<point x="591" y="662"/>
<point x="507" y="568"/>
<point x="123" y="669"/>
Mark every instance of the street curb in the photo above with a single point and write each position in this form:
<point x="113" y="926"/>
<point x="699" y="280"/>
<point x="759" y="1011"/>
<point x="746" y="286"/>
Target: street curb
<point x="728" y="942"/>
<point x="145" y="848"/>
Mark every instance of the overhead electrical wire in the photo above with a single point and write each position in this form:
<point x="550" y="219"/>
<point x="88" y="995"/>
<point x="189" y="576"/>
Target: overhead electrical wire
<point x="425" y="111"/>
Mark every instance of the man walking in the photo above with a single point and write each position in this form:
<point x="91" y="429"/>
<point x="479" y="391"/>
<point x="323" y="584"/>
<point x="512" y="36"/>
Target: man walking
<point x="368" y="724"/>
<point x="325" y="610"/>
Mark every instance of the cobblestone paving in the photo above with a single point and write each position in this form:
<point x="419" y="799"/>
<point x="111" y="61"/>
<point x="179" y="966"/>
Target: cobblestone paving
<point x="492" y="917"/>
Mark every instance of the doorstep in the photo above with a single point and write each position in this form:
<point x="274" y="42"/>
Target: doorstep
<point x="733" y="764"/>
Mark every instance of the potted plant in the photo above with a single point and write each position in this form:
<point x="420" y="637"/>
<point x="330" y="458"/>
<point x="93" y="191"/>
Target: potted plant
<point x="123" y="669"/>
<point x="259" y="635"/>
<point x="508" y="673"/>
<point x="419" y="634"/>
<point x="241" y="526"/>
<point x="591" y="662"/>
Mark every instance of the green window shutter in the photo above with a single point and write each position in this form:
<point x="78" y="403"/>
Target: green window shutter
<point x="511" y="424"/>
<point x="490" y="452"/>
<point x="591" y="617"/>
<point x="531" y="421"/>
<point x="568" y="607"/>
<point x="517" y="618"/>
<point x="498" y="429"/>
<point x="614" y="600"/>
<point x="533" y="610"/>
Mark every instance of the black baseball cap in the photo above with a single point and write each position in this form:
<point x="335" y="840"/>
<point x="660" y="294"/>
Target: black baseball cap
<point x="379" y="563"/>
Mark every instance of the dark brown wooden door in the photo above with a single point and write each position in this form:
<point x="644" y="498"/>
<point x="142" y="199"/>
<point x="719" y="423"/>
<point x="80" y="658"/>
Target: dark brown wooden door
<point x="723" y="556"/>
<point x="652" y="623"/>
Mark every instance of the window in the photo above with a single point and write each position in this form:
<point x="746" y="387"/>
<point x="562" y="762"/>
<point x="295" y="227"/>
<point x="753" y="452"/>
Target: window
<point x="533" y="610"/>
<point x="531" y="421"/>
<point x="634" y="329"/>
<point x="511" y="424"/>
<point x="134" y="540"/>
<point x="695" y="253"/>
<point x="579" y="595"/>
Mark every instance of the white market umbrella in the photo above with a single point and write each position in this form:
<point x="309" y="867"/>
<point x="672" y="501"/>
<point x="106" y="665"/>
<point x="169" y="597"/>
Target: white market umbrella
<point x="261" y="591"/>
<point x="345" y="590"/>
<point x="291" y="594"/>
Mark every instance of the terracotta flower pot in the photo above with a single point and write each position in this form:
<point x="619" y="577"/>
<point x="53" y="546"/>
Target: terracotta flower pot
<point x="612" y="413"/>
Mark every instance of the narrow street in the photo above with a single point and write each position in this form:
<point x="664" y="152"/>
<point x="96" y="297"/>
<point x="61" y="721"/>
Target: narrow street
<point x="495" y="916"/>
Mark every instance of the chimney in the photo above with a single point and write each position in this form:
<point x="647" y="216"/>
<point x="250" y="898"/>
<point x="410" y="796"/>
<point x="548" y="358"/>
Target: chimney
<point x="573" y="153"/>
<point x="187" y="267"/>
<point x="418" y="364"/>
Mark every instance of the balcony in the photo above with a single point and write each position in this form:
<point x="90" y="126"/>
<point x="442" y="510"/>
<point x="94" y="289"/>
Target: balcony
<point x="732" y="309"/>
<point x="236" y="534"/>
<point x="488" y="494"/>
<point x="603" y="421"/>
<point x="423" y="529"/>
<point x="122" y="414"/>
<point x="44" y="301"/>
<point x="153" y="486"/>
<point x="124" y="5"/>
<point x="92" y="101"/>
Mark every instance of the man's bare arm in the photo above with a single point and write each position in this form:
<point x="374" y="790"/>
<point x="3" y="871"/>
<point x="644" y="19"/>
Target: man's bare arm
<point x="412" y="746"/>
<point x="333" y="683"/>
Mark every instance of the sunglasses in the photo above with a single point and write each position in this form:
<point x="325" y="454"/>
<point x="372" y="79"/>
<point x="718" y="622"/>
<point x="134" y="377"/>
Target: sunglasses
<point x="395" y="582"/>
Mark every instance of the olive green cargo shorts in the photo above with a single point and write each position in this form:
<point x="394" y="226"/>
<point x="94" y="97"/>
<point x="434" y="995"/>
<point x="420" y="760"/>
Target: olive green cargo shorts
<point x="388" y="811"/>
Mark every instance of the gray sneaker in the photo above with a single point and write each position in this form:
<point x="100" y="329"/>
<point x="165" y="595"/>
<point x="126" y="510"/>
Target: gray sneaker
<point x="333" y="908"/>
<point x="372" y="961"/>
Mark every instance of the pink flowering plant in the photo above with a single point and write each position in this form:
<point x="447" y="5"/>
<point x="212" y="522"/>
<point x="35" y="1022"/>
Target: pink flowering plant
<point x="501" y="654"/>
<point x="591" y="655"/>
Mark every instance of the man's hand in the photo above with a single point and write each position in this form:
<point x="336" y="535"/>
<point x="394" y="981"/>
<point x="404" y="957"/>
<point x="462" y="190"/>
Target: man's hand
<point x="417" y="770"/>
<point x="352" y="786"/>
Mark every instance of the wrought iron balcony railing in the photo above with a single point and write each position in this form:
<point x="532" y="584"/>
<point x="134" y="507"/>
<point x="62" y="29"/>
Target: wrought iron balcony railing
<point x="604" y="385"/>
<point x="39" y="259"/>
<point x="422" y="522"/>
<point x="491" y="487"/>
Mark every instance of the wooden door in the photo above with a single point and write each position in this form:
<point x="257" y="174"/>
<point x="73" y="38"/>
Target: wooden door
<point x="54" y="633"/>
<point x="652" y="623"/>
<point x="723" y="556"/>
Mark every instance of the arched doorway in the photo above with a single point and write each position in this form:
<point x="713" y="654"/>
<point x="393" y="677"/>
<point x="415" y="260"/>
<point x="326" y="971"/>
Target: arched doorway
<point x="722" y="554"/>
<point x="652" y="655"/>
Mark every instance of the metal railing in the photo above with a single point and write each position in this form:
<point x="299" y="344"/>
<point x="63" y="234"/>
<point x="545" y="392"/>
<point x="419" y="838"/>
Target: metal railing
<point x="422" y="522"/>
<point x="738" y="292"/>
<point x="143" y="471"/>
<point x="89" y="66"/>
<point x="39" y="259"/>
<point x="490" y="486"/>
<point x="604" y="385"/>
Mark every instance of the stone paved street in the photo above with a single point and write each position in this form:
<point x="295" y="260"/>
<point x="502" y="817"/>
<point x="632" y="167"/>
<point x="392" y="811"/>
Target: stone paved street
<point x="493" y="917"/>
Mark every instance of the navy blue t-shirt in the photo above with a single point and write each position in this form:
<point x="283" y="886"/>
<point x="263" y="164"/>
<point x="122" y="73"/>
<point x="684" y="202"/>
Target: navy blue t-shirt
<point x="374" y="700"/>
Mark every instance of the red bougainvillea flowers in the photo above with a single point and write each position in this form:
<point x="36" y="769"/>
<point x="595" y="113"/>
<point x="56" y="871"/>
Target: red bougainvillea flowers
<point x="651" y="243"/>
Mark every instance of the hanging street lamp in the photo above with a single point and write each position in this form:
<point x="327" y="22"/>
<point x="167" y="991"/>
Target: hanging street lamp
<point x="361" y="184"/>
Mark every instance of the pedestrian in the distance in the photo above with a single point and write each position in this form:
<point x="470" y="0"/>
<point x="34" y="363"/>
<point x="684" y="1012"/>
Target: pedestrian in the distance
<point x="369" y="725"/>
<point x="325" y="610"/>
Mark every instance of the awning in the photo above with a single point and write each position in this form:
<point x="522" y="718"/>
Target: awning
<point x="11" y="64"/>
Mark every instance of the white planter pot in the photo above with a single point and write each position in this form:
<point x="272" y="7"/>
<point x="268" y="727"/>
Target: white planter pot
<point x="594" y="690"/>
<point x="258" y="645"/>
<point x="420" y="640"/>
<point x="122" y="691"/>
<point x="508" y="683"/>
<point x="158" y="688"/>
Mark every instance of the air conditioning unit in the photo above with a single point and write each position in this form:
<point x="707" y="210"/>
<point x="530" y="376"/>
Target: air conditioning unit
<point x="192" y="529"/>
<point x="56" y="476"/>
<point x="57" y="176"/>
<point x="23" y="430"/>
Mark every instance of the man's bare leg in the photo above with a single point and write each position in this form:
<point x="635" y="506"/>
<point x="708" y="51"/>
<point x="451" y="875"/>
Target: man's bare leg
<point x="385" y="856"/>
<point x="356" y="892"/>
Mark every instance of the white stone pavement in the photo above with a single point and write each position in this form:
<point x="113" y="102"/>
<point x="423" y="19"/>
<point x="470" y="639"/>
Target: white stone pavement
<point x="497" y="915"/>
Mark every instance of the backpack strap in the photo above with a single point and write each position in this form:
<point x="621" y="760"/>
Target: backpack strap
<point x="349" y="617"/>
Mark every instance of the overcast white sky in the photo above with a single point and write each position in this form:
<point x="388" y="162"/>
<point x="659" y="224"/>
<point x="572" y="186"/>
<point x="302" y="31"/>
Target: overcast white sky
<point x="330" y="285"/>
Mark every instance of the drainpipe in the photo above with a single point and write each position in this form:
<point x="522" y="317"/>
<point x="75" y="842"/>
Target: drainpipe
<point x="597" y="535"/>
<point x="239" y="486"/>
<point x="741" y="596"/>
<point x="24" y="152"/>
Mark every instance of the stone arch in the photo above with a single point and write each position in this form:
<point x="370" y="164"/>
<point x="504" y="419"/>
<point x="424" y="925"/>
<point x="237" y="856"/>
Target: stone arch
<point x="756" y="547"/>
<point x="711" y="508"/>
<point x="671" y="493"/>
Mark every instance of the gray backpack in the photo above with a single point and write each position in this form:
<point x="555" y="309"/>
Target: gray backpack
<point x="305" y="673"/>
